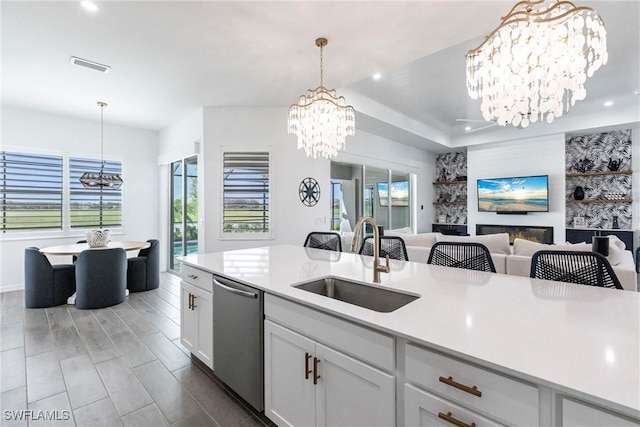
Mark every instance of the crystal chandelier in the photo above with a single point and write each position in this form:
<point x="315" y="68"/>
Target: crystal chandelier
<point x="533" y="66"/>
<point x="101" y="180"/>
<point x="321" y="119"/>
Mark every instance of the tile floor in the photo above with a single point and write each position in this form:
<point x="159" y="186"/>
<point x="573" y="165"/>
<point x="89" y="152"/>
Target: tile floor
<point x="118" y="366"/>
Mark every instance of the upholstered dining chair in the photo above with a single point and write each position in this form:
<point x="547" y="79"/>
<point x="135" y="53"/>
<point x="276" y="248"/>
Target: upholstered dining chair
<point x="469" y="255"/>
<point x="46" y="285"/>
<point x="143" y="271"/>
<point x="389" y="245"/>
<point x="584" y="268"/>
<point x="324" y="240"/>
<point x="101" y="278"/>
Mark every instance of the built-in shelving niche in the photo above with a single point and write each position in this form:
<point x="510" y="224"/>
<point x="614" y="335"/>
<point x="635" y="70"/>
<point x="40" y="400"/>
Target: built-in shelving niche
<point x="451" y="187"/>
<point x="607" y="192"/>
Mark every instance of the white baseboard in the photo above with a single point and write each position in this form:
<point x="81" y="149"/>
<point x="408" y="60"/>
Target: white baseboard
<point x="12" y="288"/>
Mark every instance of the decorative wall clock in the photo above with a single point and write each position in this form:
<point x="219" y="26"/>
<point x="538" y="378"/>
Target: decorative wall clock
<point x="309" y="191"/>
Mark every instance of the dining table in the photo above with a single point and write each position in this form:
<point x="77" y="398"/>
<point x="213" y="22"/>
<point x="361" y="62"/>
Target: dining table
<point x="75" y="249"/>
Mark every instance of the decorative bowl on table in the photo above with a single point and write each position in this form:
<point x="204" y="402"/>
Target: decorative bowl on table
<point x="97" y="238"/>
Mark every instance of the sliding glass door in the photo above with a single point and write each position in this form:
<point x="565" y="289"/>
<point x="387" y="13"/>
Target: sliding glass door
<point x="184" y="210"/>
<point x="358" y="190"/>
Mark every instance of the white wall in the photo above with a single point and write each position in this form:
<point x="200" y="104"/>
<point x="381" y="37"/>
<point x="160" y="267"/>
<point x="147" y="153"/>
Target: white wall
<point x="531" y="156"/>
<point x="266" y="127"/>
<point x="25" y="130"/>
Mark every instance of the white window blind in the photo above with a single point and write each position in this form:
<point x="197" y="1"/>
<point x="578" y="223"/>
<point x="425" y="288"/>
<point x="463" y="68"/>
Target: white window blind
<point x="93" y="207"/>
<point x="246" y="192"/>
<point x="31" y="191"/>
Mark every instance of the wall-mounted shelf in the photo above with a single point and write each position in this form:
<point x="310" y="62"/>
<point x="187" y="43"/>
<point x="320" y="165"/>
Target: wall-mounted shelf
<point x="601" y="201"/>
<point x="579" y="174"/>
<point x="449" y="182"/>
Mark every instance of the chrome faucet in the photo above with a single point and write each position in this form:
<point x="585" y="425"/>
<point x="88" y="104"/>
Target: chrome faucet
<point x="377" y="268"/>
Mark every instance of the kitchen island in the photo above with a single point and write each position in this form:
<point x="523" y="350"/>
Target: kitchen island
<point x="561" y="354"/>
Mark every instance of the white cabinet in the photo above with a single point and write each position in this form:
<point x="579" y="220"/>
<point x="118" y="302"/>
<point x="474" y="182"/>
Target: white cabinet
<point x="576" y="414"/>
<point x="425" y="409"/>
<point x="481" y="394"/>
<point x="196" y="313"/>
<point x="307" y="383"/>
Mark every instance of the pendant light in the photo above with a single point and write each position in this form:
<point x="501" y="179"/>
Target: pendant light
<point x="101" y="180"/>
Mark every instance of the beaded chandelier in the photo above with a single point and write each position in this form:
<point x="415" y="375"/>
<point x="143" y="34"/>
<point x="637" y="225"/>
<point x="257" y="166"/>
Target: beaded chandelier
<point x="321" y="119"/>
<point x="533" y="66"/>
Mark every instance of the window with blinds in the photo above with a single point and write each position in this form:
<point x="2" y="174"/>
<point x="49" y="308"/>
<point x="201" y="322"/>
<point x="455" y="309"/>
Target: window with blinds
<point x="31" y="191"/>
<point x="93" y="207"/>
<point x="246" y="193"/>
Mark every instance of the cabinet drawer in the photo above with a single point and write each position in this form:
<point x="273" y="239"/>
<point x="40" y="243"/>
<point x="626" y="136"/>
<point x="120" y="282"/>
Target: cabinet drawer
<point x="195" y="276"/>
<point x="497" y="396"/>
<point x="365" y="344"/>
<point x="582" y="415"/>
<point x="425" y="409"/>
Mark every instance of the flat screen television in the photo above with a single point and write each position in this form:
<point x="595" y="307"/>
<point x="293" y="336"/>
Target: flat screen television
<point x="521" y="194"/>
<point x="399" y="193"/>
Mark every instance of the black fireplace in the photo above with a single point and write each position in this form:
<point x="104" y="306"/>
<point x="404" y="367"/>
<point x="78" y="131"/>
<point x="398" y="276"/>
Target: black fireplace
<point x="529" y="232"/>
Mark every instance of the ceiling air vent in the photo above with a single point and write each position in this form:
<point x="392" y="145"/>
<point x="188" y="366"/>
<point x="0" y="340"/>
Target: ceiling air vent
<point x="89" y="64"/>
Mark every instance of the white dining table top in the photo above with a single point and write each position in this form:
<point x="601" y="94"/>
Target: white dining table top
<point x="76" y="248"/>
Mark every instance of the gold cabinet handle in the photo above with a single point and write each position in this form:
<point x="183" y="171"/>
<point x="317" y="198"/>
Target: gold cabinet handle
<point x="447" y="417"/>
<point x="307" y="371"/>
<point x="316" y="377"/>
<point x="471" y="390"/>
<point x="192" y="276"/>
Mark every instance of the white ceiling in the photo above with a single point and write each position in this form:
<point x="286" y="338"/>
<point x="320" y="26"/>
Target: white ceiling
<point x="170" y="58"/>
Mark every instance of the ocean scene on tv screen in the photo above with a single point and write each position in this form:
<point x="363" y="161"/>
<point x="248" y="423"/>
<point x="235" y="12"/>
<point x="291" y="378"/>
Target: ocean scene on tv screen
<point x="521" y="194"/>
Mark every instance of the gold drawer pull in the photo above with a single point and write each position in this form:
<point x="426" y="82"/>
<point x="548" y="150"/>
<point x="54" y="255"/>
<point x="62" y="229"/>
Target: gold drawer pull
<point x="307" y="371"/>
<point x="447" y="417"/>
<point x="192" y="276"/>
<point x="471" y="390"/>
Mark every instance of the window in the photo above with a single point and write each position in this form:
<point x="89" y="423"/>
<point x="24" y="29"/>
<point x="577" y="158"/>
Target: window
<point x="31" y="191"/>
<point x="34" y="193"/>
<point x="91" y="207"/>
<point x="246" y="194"/>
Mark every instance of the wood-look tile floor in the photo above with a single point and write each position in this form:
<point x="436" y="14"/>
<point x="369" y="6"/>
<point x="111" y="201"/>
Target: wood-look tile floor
<point x="117" y="366"/>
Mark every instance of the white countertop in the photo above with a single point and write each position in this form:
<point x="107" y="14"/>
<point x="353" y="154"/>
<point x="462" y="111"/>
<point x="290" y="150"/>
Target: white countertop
<point x="574" y="337"/>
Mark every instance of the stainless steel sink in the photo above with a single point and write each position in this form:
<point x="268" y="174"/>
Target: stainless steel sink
<point x="360" y="294"/>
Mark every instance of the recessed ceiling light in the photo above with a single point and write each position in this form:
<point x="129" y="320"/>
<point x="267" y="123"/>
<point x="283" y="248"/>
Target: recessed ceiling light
<point x="88" y="5"/>
<point x="636" y="92"/>
<point x="89" y="64"/>
<point x="467" y="128"/>
<point x="608" y="103"/>
<point x="377" y="76"/>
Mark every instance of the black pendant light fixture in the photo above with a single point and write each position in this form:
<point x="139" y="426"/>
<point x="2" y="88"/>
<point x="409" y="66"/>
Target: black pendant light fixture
<point x="101" y="180"/>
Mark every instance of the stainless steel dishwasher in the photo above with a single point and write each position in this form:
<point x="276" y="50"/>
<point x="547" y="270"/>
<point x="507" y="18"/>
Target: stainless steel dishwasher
<point x="238" y="315"/>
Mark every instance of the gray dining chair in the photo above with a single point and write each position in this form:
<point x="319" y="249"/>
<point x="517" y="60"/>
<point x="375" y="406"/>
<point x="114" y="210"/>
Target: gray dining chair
<point x="143" y="271"/>
<point x="46" y="285"/>
<point x="101" y="278"/>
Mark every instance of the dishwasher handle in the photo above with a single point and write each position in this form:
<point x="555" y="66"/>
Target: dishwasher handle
<point x="236" y="291"/>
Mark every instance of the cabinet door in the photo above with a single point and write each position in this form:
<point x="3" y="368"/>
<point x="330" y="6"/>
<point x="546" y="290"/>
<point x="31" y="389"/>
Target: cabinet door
<point x="188" y="318"/>
<point x="352" y="393"/>
<point x="575" y="414"/>
<point x="204" y="311"/>
<point x="289" y="395"/>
